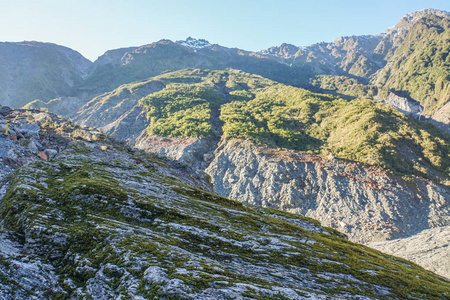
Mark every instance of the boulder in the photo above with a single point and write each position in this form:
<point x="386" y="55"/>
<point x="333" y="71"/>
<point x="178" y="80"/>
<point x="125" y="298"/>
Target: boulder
<point x="5" y="110"/>
<point x="51" y="153"/>
<point x="42" y="155"/>
<point x="29" y="129"/>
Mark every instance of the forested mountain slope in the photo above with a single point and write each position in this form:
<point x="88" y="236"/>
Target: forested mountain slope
<point x="190" y="103"/>
<point x="408" y="60"/>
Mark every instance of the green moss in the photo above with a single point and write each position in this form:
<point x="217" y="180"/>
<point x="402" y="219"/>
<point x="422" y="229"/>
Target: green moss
<point x="100" y="220"/>
<point x="206" y="196"/>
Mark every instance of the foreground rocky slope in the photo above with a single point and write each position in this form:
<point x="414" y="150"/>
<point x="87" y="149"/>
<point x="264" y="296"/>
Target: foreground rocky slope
<point x="106" y="221"/>
<point x="370" y="205"/>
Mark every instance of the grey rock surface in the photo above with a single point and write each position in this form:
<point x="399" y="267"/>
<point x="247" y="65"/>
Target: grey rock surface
<point x="193" y="152"/>
<point x="441" y="118"/>
<point x="30" y="129"/>
<point x="405" y="105"/>
<point x="129" y="127"/>
<point x="109" y="107"/>
<point x="361" y="201"/>
<point x="429" y="248"/>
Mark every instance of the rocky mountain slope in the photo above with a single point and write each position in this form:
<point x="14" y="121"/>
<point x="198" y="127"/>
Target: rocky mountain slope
<point x="365" y="202"/>
<point x="34" y="70"/>
<point x="359" y="166"/>
<point x="107" y="221"/>
<point x="428" y="248"/>
<point x="419" y="66"/>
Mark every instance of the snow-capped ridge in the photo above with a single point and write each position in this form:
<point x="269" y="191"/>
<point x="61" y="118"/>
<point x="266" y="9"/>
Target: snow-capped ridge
<point x="193" y="43"/>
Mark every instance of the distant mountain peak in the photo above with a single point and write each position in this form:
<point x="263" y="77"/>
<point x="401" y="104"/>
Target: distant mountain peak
<point x="409" y="19"/>
<point x="193" y="43"/>
<point x="421" y="13"/>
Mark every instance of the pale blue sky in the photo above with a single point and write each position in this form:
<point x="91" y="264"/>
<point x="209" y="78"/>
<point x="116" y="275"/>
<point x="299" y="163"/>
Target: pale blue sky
<point x="94" y="26"/>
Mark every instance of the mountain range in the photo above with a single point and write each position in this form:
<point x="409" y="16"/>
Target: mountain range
<point x="354" y="133"/>
<point x="355" y="66"/>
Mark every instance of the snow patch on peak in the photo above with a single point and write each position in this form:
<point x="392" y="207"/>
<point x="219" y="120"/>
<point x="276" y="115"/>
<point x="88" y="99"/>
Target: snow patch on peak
<point x="195" y="44"/>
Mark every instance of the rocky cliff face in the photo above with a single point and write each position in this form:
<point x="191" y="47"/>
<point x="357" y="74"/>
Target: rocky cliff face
<point x="361" y="201"/>
<point x="403" y="104"/>
<point x="441" y="118"/>
<point x="119" y="113"/>
<point x="194" y="152"/>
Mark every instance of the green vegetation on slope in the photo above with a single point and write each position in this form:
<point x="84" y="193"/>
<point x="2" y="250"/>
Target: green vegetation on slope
<point x="361" y="130"/>
<point x="264" y="111"/>
<point x="347" y="87"/>
<point x="421" y="65"/>
<point x="184" y="107"/>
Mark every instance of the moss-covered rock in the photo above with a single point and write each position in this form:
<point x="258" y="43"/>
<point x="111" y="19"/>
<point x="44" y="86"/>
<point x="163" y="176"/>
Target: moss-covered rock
<point x="113" y="223"/>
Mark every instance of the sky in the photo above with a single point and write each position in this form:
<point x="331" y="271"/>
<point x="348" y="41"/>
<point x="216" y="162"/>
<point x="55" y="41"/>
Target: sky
<point x="92" y="27"/>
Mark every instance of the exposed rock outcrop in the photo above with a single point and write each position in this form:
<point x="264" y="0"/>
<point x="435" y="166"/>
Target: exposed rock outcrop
<point x="403" y="104"/>
<point x="441" y="118"/>
<point x="194" y="152"/>
<point x="362" y="201"/>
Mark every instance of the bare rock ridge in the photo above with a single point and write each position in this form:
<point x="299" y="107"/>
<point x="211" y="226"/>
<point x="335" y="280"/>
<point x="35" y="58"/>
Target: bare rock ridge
<point x="105" y="221"/>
